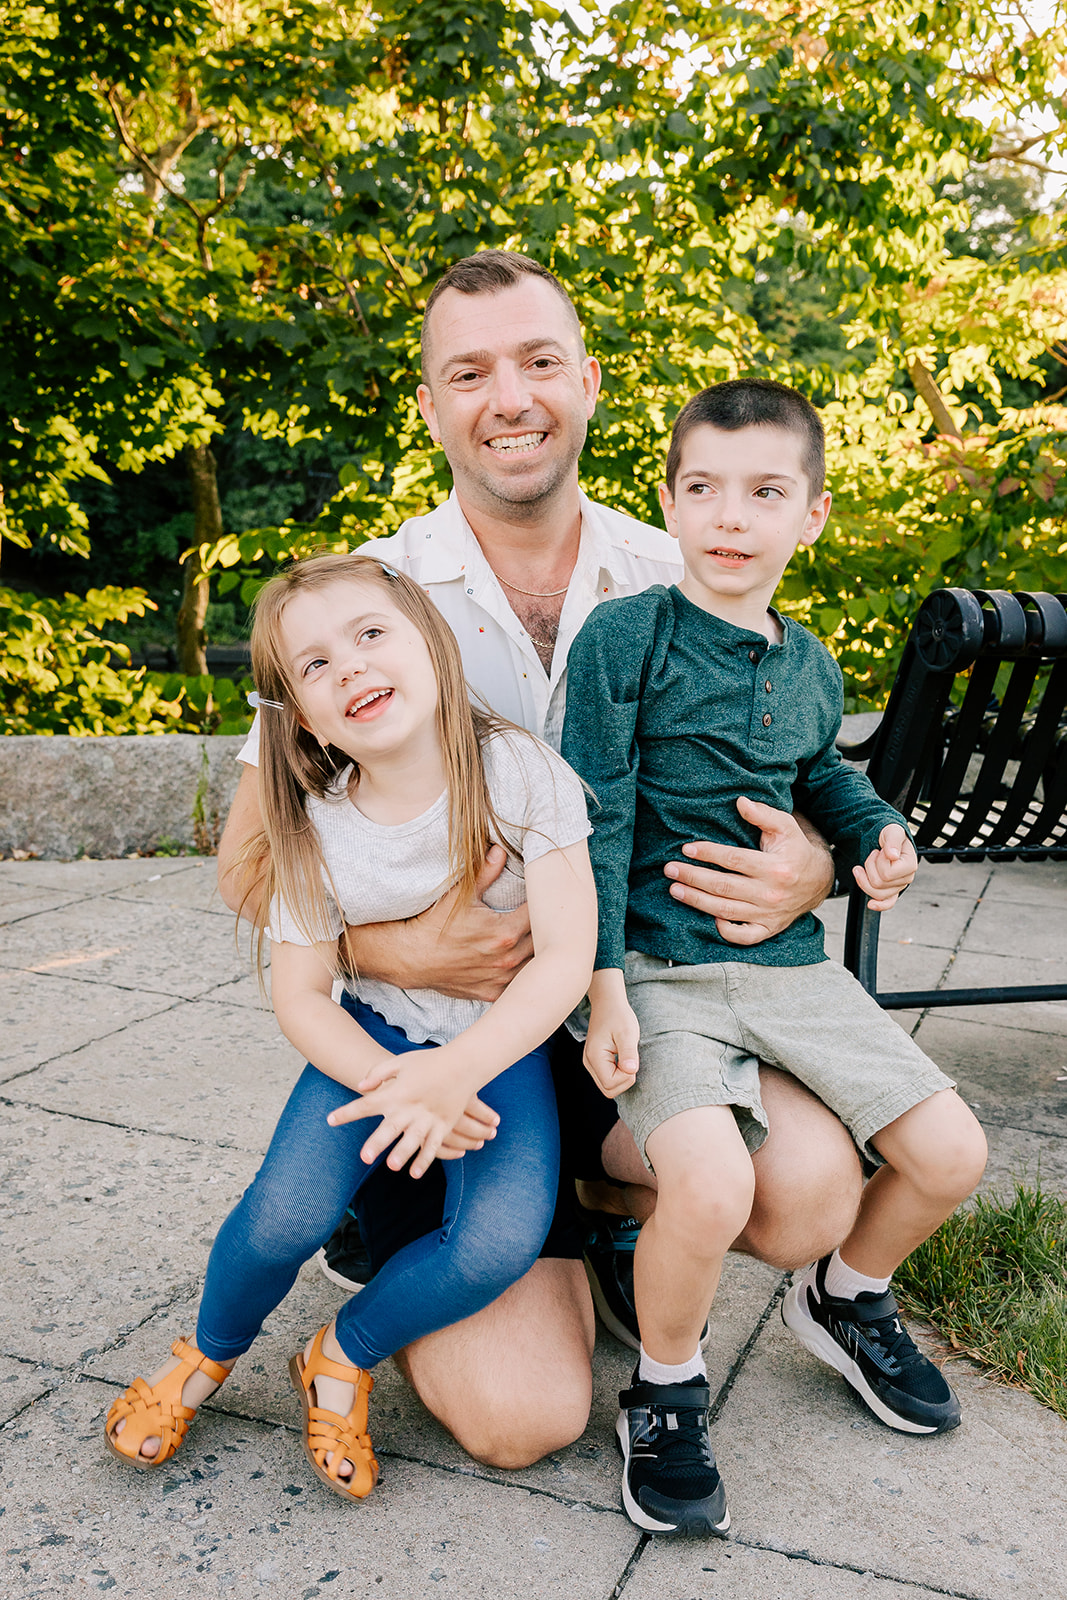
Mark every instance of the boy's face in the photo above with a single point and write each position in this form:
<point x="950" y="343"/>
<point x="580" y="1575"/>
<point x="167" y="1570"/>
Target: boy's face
<point x="741" y="506"/>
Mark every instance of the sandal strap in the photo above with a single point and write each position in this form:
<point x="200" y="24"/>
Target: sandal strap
<point x="317" y="1365"/>
<point x="329" y="1434"/>
<point x="198" y="1362"/>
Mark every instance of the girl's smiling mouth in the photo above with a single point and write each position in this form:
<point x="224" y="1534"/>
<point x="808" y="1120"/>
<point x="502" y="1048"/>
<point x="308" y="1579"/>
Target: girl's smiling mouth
<point x="369" y="704"/>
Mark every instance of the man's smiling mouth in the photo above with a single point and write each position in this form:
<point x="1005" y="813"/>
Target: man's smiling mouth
<point x="513" y="447"/>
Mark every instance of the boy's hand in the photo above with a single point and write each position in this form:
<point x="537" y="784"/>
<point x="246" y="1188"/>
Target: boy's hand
<point x="888" y="870"/>
<point x="614" y="1032"/>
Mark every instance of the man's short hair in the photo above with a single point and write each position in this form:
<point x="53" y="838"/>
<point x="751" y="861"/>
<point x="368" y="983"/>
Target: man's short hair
<point x="748" y="403"/>
<point x="488" y="272"/>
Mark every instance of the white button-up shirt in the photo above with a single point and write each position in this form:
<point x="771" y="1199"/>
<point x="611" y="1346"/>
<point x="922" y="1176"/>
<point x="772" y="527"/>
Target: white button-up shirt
<point x="616" y="556"/>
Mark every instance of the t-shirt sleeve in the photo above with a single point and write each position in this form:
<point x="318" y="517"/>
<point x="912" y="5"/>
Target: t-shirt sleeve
<point x="249" y="751"/>
<point x="283" y="927"/>
<point x="537" y="797"/>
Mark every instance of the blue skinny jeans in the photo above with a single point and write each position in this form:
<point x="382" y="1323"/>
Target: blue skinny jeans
<point x="498" y="1207"/>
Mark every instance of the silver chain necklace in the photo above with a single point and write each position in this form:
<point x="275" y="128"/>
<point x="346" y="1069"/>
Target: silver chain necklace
<point x="534" y="594"/>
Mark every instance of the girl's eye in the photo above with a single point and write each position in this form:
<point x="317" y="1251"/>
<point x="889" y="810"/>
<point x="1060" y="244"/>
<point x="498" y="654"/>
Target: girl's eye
<point x="372" y="633"/>
<point x="310" y="666"/>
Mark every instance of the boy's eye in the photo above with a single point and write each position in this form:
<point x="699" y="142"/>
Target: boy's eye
<point x="767" y="490"/>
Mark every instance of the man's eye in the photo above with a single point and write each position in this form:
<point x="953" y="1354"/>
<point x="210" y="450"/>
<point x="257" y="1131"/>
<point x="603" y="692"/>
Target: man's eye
<point x="466" y="377"/>
<point x="543" y="362"/>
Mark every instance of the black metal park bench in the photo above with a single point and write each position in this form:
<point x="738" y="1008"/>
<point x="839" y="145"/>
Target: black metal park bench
<point x="982" y="779"/>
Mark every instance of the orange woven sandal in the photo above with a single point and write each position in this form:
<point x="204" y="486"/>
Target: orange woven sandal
<point x="326" y="1431"/>
<point x="158" y="1413"/>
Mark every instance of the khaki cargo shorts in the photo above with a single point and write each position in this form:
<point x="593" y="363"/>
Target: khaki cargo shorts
<point x="705" y="1029"/>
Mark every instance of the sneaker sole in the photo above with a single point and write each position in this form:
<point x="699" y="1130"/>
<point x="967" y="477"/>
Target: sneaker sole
<point x="694" y="1521"/>
<point x="822" y="1345"/>
<point x="352" y="1285"/>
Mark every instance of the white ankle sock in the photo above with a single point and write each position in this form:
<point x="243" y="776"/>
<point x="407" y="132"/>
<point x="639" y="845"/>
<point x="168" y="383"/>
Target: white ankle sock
<point x="649" y="1371"/>
<point x="844" y="1283"/>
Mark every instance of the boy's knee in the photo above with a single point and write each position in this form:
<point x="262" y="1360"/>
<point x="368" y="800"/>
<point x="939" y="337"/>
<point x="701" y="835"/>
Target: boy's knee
<point x="707" y="1208"/>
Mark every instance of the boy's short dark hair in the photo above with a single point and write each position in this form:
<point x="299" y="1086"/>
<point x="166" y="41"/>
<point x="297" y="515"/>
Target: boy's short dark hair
<point x="748" y="403"/>
<point x="488" y="272"/>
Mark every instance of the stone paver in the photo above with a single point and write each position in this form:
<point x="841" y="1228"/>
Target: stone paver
<point x="140" y="1076"/>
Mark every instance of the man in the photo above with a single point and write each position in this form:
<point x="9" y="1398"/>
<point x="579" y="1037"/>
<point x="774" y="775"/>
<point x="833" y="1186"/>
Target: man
<point x="516" y="559"/>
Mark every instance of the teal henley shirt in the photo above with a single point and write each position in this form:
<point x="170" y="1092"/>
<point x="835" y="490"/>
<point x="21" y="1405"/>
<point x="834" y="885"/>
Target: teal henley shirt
<point x="672" y="714"/>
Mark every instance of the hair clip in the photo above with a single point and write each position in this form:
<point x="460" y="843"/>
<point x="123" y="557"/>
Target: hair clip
<point x="255" y="700"/>
<point x="390" y="570"/>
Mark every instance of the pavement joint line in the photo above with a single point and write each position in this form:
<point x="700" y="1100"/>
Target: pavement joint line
<point x="124" y="1127"/>
<point x="47" y="1061"/>
<point x="743" y="1354"/>
<point x="569" y="1501"/>
<point x="863" y="1572"/>
<point x="956" y="947"/>
<point x="111" y="983"/>
<point x="45" y="1394"/>
<point x="628" y="1570"/>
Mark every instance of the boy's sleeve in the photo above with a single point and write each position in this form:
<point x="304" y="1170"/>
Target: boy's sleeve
<point x="604" y="672"/>
<point x="840" y="800"/>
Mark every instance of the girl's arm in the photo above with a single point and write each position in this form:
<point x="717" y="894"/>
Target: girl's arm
<point x="431" y="1087"/>
<point x="324" y="1033"/>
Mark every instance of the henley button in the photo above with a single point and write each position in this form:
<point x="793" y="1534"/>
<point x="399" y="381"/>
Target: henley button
<point x="767" y="719"/>
<point x="753" y="655"/>
<point x="767" y="686"/>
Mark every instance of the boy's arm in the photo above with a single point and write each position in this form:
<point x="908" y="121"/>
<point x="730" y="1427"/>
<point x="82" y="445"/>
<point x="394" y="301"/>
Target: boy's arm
<point x="604" y="673"/>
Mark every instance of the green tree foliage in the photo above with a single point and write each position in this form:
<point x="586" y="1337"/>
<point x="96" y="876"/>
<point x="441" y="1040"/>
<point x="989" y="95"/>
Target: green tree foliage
<point x="229" y="213"/>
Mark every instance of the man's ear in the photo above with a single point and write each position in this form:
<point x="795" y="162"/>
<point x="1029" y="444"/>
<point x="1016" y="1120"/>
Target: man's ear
<point x="428" y="410"/>
<point x="816" y="518"/>
<point x="591" y="383"/>
<point x="670" y="516"/>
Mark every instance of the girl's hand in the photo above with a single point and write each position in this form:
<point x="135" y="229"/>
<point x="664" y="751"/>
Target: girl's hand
<point x="614" y="1033"/>
<point x="470" y="1132"/>
<point x="420" y="1105"/>
<point x="888" y="870"/>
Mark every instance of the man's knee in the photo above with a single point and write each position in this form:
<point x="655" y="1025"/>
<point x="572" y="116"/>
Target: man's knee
<point x="809" y="1181"/>
<point x="513" y="1383"/>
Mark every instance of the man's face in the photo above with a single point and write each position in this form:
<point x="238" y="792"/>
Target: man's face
<point x="741" y="506"/>
<point x="508" y="395"/>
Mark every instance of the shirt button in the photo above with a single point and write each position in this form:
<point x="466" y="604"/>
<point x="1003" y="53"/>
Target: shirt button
<point x="767" y="686"/>
<point x="753" y="655"/>
<point x="767" y="719"/>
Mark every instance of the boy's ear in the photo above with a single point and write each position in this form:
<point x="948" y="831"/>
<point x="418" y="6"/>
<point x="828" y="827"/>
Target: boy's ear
<point x="816" y="518"/>
<point x="666" y="500"/>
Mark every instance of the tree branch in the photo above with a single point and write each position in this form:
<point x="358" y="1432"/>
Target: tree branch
<point x="931" y="395"/>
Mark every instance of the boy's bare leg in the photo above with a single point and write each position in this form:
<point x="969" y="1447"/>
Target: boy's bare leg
<point x="843" y="1309"/>
<point x="704" y="1196"/>
<point x="514" y="1382"/>
<point x="935" y="1155"/>
<point x="808" y="1179"/>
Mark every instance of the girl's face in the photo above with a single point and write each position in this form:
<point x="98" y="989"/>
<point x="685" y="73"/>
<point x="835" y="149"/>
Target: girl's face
<point x="362" y="671"/>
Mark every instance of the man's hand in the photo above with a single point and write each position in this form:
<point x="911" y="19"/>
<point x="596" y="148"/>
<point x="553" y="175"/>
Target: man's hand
<point x="473" y="957"/>
<point x="887" y="871"/>
<point x="756" y="893"/>
<point x="610" y="1054"/>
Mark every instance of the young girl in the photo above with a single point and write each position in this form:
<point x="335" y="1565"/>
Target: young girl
<point x="381" y="787"/>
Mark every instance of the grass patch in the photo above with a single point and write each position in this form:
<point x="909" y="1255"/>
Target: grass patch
<point x="993" y="1281"/>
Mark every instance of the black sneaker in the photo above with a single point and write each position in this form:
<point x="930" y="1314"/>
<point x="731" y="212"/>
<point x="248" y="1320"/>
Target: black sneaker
<point x="670" y="1483"/>
<point x="344" y="1258"/>
<point x="609" y="1266"/>
<point x="865" y="1340"/>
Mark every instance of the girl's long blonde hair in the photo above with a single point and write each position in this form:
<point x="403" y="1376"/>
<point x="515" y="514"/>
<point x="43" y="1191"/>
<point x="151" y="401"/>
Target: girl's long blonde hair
<point x="286" y="857"/>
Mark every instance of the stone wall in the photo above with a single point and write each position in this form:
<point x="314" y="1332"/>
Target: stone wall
<point x="108" y="796"/>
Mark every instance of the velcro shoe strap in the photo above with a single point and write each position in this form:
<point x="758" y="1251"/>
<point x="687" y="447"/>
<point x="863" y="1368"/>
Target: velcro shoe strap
<point x="675" y="1396"/>
<point x="869" y="1310"/>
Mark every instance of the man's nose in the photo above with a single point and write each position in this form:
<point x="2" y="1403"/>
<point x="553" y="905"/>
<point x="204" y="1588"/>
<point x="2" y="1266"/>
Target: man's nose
<point x="510" y="390"/>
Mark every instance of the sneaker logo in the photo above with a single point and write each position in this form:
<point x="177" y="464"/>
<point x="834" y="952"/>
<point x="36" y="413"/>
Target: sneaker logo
<point x="672" y="1420"/>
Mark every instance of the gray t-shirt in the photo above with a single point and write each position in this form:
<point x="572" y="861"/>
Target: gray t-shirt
<point x="385" y="873"/>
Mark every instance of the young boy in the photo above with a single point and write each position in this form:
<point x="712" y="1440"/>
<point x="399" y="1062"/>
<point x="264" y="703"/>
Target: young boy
<point x="682" y="706"/>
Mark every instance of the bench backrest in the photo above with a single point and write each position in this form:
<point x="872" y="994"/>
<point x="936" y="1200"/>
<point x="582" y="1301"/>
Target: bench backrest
<point x="987" y="778"/>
